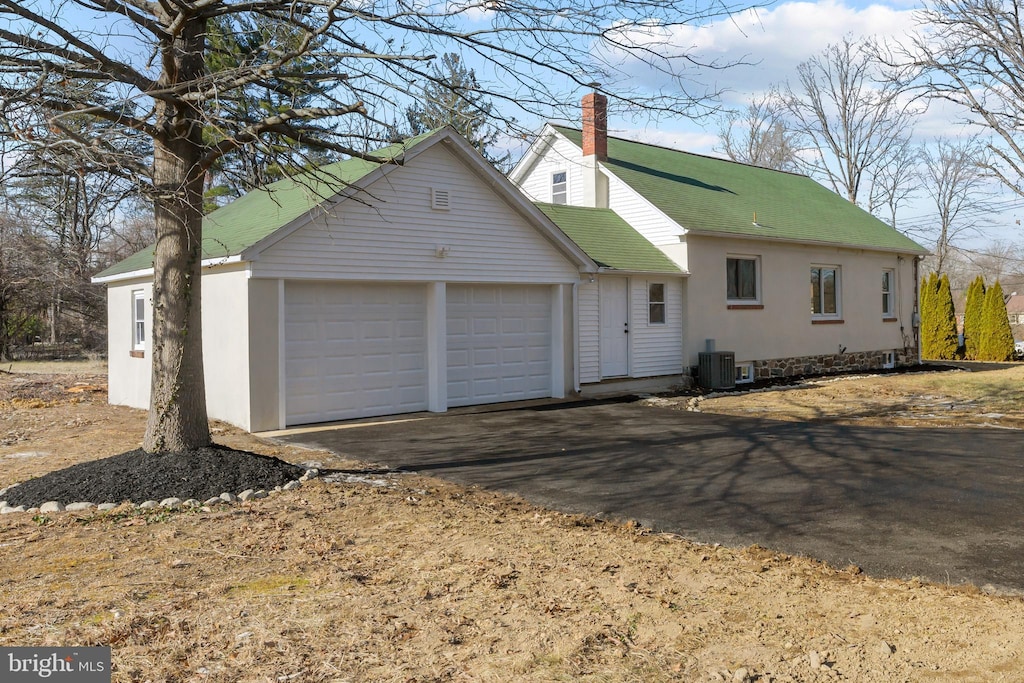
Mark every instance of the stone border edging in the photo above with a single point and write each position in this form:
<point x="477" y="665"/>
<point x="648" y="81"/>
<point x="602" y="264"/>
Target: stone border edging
<point x="228" y="498"/>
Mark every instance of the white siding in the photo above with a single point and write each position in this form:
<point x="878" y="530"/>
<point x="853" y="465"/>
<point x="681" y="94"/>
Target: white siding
<point x="641" y="215"/>
<point x="392" y="233"/>
<point x="128" y="378"/>
<point x="559" y="155"/>
<point x="656" y="349"/>
<point x="265" y="308"/>
<point x="590" y="332"/>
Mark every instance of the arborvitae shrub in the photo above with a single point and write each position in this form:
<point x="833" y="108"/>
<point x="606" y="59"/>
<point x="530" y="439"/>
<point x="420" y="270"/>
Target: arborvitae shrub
<point x="996" y="341"/>
<point x="972" y="317"/>
<point x="946" y="340"/>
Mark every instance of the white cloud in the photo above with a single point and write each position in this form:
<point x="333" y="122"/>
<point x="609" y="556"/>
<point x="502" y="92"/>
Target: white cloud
<point x="770" y="42"/>
<point x="775" y="41"/>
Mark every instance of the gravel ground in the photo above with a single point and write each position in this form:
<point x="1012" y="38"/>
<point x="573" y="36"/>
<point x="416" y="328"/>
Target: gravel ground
<point x="137" y="476"/>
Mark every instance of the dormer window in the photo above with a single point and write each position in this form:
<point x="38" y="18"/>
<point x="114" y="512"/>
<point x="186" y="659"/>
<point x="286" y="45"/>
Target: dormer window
<point x="559" y="187"/>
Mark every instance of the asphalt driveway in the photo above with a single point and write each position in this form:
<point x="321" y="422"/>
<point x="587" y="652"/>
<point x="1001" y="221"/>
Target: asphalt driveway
<point x="941" y="504"/>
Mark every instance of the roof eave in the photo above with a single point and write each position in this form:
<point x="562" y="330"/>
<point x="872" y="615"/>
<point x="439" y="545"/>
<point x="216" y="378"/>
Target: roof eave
<point x="532" y="155"/>
<point x="788" y="240"/>
<point x="148" y="272"/>
<point x="608" y="270"/>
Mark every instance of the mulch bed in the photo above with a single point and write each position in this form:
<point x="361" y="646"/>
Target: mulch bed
<point x="137" y="476"/>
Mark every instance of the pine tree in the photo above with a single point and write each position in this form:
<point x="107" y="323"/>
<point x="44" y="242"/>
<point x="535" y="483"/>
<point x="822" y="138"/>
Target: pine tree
<point x="996" y="337"/>
<point x="453" y="96"/>
<point x="947" y="342"/>
<point x="973" y="317"/>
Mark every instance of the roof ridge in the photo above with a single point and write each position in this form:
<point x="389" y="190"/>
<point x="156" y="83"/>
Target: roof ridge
<point x="694" y="154"/>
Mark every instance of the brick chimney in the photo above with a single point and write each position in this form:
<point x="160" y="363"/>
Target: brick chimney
<point x="595" y="126"/>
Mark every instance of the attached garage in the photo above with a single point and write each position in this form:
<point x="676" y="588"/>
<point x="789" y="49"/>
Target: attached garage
<point x="354" y="350"/>
<point x="499" y="343"/>
<point x="418" y="282"/>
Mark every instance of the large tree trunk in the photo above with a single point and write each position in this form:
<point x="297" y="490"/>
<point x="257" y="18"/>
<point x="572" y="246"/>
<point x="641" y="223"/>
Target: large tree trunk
<point x="177" y="409"/>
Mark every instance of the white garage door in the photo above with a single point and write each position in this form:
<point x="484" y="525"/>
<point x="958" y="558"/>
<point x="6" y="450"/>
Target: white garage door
<point x="354" y="350"/>
<point x="499" y="343"/>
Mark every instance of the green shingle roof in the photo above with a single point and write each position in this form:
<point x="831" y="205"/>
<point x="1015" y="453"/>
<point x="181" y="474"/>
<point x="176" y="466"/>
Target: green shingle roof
<point x="236" y="226"/>
<point x="705" y="194"/>
<point x="607" y="239"/>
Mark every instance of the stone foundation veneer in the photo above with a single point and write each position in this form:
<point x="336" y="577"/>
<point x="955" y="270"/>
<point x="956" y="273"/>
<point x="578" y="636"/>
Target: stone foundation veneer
<point x="831" y="363"/>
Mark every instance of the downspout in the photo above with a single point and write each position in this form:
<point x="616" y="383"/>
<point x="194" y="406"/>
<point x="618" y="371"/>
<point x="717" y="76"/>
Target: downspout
<point x="576" y="337"/>
<point x="916" y="319"/>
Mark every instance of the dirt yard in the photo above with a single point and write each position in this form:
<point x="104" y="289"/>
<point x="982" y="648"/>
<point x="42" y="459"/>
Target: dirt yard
<point x="380" y="577"/>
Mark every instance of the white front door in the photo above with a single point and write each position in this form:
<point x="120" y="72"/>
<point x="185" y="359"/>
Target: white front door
<point x="499" y="343"/>
<point x="614" y="293"/>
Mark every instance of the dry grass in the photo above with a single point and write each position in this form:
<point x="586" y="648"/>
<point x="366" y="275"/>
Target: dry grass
<point x="949" y="399"/>
<point x="421" y="580"/>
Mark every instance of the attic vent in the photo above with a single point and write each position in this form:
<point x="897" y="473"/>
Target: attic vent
<point x="440" y="200"/>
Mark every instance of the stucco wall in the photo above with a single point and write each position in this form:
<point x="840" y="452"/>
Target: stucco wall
<point x="783" y="326"/>
<point x="226" y="344"/>
<point x="264" y="354"/>
<point x="128" y="377"/>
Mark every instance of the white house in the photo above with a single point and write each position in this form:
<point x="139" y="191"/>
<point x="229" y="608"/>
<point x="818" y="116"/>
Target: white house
<point x="776" y="268"/>
<point x="419" y="282"/>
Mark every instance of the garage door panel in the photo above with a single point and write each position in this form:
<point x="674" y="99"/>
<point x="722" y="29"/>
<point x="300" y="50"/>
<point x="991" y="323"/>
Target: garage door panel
<point x="499" y="343"/>
<point x="354" y="350"/>
<point x="484" y="325"/>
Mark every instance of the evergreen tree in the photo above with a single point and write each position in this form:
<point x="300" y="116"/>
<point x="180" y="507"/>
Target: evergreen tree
<point x="929" y="287"/>
<point x="996" y="337"/>
<point x="233" y="45"/>
<point x="973" y="317"/>
<point x="946" y="341"/>
<point x="453" y="96"/>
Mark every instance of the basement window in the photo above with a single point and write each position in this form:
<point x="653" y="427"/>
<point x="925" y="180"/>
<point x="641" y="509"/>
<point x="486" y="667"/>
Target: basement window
<point x="744" y="373"/>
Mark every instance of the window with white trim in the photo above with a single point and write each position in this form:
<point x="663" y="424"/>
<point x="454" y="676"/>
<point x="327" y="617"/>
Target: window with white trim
<point x="888" y="293"/>
<point x="741" y="275"/>
<point x="138" y="320"/>
<point x="825" y="288"/>
<point x="656" y="303"/>
<point x="559" y="187"/>
<point x="744" y="373"/>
